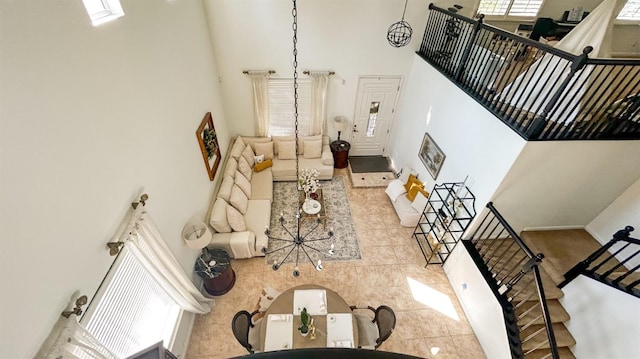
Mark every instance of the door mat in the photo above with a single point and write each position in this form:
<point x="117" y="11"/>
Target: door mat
<point x="367" y="164"/>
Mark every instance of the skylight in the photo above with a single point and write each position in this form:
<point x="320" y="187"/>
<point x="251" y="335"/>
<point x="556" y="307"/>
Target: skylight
<point x="102" y="11"/>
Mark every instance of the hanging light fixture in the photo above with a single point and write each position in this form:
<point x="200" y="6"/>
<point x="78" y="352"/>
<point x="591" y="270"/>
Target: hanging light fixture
<point x="399" y="33"/>
<point x="299" y="242"/>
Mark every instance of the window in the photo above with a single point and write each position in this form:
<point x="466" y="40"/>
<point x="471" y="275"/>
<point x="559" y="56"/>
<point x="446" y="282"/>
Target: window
<point x="281" y="107"/>
<point x="519" y="8"/>
<point x="101" y="11"/>
<point x="630" y="11"/>
<point x="131" y="311"/>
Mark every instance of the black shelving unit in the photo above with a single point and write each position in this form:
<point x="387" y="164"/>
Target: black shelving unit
<point x="449" y="211"/>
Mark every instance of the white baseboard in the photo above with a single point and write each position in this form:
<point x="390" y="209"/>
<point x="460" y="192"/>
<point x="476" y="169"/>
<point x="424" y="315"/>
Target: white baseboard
<point x="553" y="228"/>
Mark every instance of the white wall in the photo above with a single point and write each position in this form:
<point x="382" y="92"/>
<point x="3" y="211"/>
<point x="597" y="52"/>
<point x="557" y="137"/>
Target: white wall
<point x="89" y="116"/>
<point x="566" y="184"/>
<point x="604" y="321"/>
<point x="479" y="303"/>
<point x="474" y="141"/>
<point x="348" y="37"/>
<point x="624" y="211"/>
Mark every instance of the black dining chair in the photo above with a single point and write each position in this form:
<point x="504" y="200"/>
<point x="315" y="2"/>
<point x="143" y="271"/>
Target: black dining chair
<point x="246" y="332"/>
<point x="373" y="332"/>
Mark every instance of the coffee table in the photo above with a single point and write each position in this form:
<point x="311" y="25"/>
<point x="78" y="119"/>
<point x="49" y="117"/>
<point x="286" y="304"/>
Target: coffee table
<point x="313" y="213"/>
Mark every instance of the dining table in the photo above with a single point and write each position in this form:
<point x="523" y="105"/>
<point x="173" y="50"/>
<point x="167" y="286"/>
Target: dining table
<point x="335" y="325"/>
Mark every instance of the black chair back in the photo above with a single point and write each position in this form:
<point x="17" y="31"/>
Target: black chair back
<point x="240" y="326"/>
<point x="385" y="318"/>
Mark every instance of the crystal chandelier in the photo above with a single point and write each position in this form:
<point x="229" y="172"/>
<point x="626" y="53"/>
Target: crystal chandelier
<point x="299" y="242"/>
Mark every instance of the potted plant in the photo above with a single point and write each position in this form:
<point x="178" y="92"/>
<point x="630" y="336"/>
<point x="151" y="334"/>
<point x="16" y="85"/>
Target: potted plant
<point x="305" y="320"/>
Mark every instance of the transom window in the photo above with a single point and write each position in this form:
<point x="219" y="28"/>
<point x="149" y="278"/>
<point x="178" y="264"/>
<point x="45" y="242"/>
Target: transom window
<point x="281" y="107"/>
<point x="518" y="8"/>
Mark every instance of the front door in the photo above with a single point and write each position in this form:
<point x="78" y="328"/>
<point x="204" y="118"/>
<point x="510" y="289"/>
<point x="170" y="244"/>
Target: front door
<point x="375" y="106"/>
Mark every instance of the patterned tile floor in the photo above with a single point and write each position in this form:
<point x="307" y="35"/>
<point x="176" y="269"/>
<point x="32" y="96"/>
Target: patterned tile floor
<point x="430" y="321"/>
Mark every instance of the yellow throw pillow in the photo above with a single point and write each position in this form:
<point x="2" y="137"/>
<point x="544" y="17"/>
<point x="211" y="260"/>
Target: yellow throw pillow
<point x="412" y="179"/>
<point x="262" y="165"/>
<point x="413" y="191"/>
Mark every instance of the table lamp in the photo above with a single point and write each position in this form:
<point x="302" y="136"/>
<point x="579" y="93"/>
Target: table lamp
<point x="196" y="234"/>
<point x="341" y="124"/>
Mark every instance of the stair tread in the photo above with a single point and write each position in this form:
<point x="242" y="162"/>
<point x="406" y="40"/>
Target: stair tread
<point x="562" y="335"/>
<point x="556" y="311"/>
<point x="564" y="352"/>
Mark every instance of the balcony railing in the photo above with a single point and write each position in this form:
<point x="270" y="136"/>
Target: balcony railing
<point x="541" y="92"/>
<point x="511" y="271"/>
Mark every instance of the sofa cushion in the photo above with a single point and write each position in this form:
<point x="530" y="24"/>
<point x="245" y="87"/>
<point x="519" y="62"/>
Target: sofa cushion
<point x="251" y="141"/>
<point x="230" y="168"/>
<point x="301" y="140"/>
<point x="239" y="200"/>
<point x="420" y="202"/>
<point x="312" y="148"/>
<point x="262" y="186"/>
<point x="287" y="150"/>
<point x="277" y="140"/>
<point x="244" y="184"/>
<point x="259" y="167"/>
<point x="225" y="188"/>
<point x="265" y="148"/>
<point x="257" y="219"/>
<point x="238" y="147"/>
<point x="244" y="168"/>
<point x="405" y="172"/>
<point x="236" y="219"/>
<point x="218" y="218"/>
<point x="248" y="154"/>
<point x="327" y="156"/>
<point x="395" y="189"/>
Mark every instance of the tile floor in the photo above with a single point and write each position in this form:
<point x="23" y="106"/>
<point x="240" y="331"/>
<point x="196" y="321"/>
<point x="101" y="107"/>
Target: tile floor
<point x="430" y="321"/>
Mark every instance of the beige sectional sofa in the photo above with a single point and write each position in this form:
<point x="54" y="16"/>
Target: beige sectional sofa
<point x="241" y="209"/>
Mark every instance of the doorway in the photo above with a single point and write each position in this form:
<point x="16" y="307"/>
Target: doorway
<point x="375" y="107"/>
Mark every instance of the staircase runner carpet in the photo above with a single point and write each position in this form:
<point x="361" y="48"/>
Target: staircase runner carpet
<point x="370" y="171"/>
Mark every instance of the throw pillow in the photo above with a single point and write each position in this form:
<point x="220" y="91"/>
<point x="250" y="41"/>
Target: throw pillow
<point x="225" y="188"/>
<point x="312" y="148"/>
<point x="277" y="140"/>
<point x="258" y="159"/>
<point x="244" y="168"/>
<point x="420" y="202"/>
<point x="287" y="150"/>
<point x="415" y="188"/>
<point x="394" y="190"/>
<point x="405" y="172"/>
<point x="265" y="149"/>
<point x="238" y="147"/>
<point x="307" y="138"/>
<point x="243" y="183"/>
<point x="239" y="200"/>
<point x="262" y="166"/>
<point x="236" y="220"/>
<point x="248" y="154"/>
<point x="218" y="219"/>
<point x="231" y="167"/>
<point x="412" y="179"/>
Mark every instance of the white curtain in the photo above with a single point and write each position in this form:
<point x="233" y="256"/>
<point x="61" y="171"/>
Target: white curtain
<point x="596" y="31"/>
<point x="260" y="85"/>
<point x="317" y="119"/>
<point x="69" y="339"/>
<point x="152" y="251"/>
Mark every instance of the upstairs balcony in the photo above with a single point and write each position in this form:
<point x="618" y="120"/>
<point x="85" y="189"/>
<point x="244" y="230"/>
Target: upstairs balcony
<point x="541" y="92"/>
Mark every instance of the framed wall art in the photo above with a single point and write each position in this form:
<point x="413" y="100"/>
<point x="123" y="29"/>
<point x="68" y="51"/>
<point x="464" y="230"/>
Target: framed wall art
<point x="208" y="141"/>
<point x="431" y="155"/>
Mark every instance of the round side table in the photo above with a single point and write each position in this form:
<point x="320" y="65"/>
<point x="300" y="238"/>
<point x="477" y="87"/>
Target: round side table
<point x="340" y="150"/>
<point x="214" y="267"/>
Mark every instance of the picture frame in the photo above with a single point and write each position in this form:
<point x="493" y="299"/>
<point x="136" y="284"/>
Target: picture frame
<point x="431" y="155"/>
<point x="208" y="141"/>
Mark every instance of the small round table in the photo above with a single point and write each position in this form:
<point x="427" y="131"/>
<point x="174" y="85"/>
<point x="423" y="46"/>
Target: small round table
<point x="214" y="267"/>
<point x="340" y="151"/>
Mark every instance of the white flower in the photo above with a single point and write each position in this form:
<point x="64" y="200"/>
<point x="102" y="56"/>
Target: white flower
<point x="308" y="180"/>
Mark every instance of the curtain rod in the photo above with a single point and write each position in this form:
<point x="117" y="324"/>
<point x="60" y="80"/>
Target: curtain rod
<point x="306" y="72"/>
<point x="246" y="72"/>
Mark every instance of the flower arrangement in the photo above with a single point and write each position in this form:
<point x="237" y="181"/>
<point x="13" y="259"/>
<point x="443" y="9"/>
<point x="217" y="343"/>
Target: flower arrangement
<point x="308" y="180"/>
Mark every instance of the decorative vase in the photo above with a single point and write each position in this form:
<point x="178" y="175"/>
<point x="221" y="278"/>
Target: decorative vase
<point x="304" y="334"/>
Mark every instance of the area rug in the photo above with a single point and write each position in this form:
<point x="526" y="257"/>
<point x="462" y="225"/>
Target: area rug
<point x="367" y="164"/>
<point x="371" y="179"/>
<point x="285" y="200"/>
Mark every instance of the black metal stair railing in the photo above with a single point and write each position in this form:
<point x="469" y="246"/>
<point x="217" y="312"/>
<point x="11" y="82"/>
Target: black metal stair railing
<point x="541" y="92"/>
<point x="616" y="264"/>
<point x="511" y="271"/>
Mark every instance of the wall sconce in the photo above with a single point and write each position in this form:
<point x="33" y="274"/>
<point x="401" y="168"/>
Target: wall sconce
<point x="196" y="234"/>
<point x="341" y="123"/>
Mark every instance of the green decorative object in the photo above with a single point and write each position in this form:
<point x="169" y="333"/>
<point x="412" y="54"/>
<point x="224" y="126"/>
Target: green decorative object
<point x="305" y="318"/>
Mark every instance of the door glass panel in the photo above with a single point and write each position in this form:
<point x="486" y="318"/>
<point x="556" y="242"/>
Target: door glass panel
<point x="373" y="117"/>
